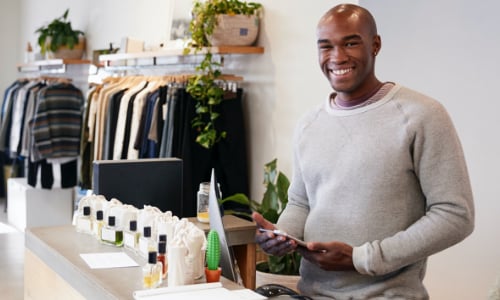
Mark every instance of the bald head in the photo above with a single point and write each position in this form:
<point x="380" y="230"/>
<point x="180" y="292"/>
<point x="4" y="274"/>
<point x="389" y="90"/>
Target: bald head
<point x="352" y="11"/>
<point x="348" y="44"/>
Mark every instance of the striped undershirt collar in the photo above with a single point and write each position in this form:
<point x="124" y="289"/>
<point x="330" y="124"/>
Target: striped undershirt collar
<point x="382" y="91"/>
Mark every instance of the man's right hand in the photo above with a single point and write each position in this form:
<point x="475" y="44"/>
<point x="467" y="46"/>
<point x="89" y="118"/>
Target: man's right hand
<point x="268" y="241"/>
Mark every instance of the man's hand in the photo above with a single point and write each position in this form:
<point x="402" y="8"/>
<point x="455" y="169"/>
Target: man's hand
<point x="331" y="256"/>
<point x="268" y="241"/>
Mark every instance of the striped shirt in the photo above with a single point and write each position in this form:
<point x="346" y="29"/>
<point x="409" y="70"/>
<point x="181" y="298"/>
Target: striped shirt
<point x="57" y="121"/>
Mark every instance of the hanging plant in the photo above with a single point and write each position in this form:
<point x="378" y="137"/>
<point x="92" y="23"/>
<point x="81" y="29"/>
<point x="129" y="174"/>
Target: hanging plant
<point x="204" y="86"/>
<point x="208" y="94"/>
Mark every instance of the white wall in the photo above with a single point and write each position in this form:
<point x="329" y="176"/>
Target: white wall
<point x="35" y="14"/>
<point x="9" y="22"/>
<point x="445" y="49"/>
<point x="450" y="51"/>
<point x="103" y="21"/>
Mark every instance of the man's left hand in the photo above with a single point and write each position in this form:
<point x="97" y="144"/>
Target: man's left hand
<point x="331" y="256"/>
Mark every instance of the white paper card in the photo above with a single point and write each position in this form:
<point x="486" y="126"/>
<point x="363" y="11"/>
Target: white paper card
<point x="247" y="294"/>
<point x="205" y="291"/>
<point x="108" y="260"/>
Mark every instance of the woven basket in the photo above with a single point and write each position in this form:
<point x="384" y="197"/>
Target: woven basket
<point x="65" y="53"/>
<point x="235" y="30"/>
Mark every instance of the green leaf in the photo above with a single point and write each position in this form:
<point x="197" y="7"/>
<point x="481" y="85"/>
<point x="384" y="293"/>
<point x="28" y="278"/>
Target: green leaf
<point x="282" y="186"/>
<point x="239" y="198"/>
<point x="271" y="215"/>
<point x="274" y="200"/>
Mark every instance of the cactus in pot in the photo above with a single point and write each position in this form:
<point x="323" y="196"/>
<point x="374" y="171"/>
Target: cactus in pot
<point x="212" y="272"/>
<point x="213" y="250"/>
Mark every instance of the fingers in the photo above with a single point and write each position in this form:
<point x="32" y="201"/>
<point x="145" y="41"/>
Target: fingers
<point x="332" y="256"/>
<point x="268" y="241"/>
<point x="317" y="247"/>
<point x="276" y="245"/>
<point x="261" y="222"/>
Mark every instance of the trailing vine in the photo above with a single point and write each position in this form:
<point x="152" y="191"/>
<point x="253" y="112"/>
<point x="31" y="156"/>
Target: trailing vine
<point x="208" y="95"/>
<point x="204" y="86"/>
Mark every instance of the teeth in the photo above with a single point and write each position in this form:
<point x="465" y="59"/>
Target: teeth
<point x="341" y="72"/>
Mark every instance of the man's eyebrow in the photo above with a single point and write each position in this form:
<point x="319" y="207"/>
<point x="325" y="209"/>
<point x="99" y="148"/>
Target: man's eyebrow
<point x="346" y="38"/>
<point x="352" y="37"/>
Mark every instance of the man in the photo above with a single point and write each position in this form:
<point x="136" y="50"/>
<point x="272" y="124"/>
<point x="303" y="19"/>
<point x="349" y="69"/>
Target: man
<point x="380" y="181"/>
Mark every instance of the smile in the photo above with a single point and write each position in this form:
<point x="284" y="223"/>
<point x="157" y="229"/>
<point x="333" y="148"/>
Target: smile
<point x="341" y="71"/>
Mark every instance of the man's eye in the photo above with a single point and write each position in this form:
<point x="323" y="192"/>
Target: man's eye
<point x="351" y="44"/>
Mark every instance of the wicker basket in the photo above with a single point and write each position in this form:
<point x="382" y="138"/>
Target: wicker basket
<point x="235" y="30"/>
<point x="65" y="53"/>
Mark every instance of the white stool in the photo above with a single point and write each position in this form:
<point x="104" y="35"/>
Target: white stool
<point x="36" y="207"/>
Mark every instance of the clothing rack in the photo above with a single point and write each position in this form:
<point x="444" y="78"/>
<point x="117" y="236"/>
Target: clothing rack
<point x="33" y="127"/>
<point x="229" y="82"/>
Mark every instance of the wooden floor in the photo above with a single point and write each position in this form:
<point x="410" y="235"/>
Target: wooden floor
<point x="11" y="259"/>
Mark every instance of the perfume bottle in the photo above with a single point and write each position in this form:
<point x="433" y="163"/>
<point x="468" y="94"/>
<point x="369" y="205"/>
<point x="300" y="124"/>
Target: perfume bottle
<point x="151" y="272"/>
<point x="84" y="222"/>
<point x="111" y="234"/>
<point x="131" y="236"/>
<point x="162" y="238"/>
<point x="146" y="242"/>
<point x="162" y="258"/>
<point x="98" y="224"/>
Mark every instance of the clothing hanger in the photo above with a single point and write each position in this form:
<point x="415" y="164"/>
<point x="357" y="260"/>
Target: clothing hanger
<point x="49" y="79"/>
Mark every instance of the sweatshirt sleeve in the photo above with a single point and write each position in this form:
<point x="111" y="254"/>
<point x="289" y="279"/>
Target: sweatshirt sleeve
<point x="440" y="166"/>
<point x="293" y="217"/>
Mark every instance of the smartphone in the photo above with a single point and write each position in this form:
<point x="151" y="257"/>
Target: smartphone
<point x="282" y="233"/>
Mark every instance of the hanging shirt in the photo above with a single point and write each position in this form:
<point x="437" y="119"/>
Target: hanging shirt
<point x="57" y="121"/>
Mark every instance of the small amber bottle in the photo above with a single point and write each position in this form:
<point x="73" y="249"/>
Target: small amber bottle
<point x="162" y="258"/>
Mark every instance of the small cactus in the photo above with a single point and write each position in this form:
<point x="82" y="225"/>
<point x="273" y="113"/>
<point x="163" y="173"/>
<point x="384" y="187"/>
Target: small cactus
<point x="213" y="250"/>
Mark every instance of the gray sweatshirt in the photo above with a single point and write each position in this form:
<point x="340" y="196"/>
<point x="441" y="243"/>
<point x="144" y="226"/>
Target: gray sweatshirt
<point x="389" y="179"/>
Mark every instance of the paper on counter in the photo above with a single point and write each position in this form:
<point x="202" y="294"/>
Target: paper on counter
<point x="108" y="260"/>
<point x="205" y="291"/>
<point x="247" y="294"/>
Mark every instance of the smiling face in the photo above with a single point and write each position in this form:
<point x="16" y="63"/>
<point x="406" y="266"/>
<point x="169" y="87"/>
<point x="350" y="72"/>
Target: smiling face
<point x="347" y="46"/>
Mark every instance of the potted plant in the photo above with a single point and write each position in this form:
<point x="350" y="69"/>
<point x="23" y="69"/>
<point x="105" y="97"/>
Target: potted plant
<point x="212" y="270"/>
<point x="204" y="87"/>
<point x="60" y="39"/>
<point x="273" y="203"/>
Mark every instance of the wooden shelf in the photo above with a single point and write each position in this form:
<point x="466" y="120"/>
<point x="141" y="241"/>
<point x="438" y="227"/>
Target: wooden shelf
<point x="179" y="52"/>
<point x="155" y="56"/>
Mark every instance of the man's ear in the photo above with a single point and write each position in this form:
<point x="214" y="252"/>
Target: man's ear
<point x="377" y="44"/>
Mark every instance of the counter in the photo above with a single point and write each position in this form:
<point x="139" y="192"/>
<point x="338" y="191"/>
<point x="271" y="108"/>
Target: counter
<point x="53" y="268"/>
